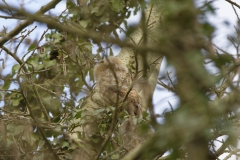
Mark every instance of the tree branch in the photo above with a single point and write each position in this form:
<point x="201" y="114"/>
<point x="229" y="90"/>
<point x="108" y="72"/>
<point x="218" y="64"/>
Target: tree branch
<point x="12" y="54"/>
<point x="233" y="3"/>
<point x="79" y="30"/>
<point x="27" y="22"/>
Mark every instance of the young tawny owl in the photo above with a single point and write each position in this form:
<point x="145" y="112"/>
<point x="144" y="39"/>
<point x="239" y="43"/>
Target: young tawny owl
<point x="113" y="82"/>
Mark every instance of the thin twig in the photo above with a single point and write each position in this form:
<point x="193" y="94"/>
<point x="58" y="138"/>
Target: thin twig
<point x="12" y="55"/>
<point x="70" y="28"/>
<point x="235" y="12"/>
<point x="27" y="22"/>
<point x="22" y="39"/>
<point x="233" y="3"/>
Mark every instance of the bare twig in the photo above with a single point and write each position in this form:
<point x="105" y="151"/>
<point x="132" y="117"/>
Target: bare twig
<point x="27" y="22"/>
<point x="71" y="28"/>
<point x="233" y="3"/>
<point x="22" y="39"/>
<point x="235" y="12"/>
<point x="12" y="54"/>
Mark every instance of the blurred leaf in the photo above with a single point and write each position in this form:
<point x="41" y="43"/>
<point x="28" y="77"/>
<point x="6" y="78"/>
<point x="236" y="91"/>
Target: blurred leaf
<point x="111" y="52"/>
<point x="7" y="84"/>
<point x="117" y="5"/>
<point x="15" y="128"/>
<point x="65" y="144"/>
<point x="84" y="23"/>
<point x="95" y="9"/>
<point x="223" y="59"/>
<point x="70" y="4"/>
<point x="208" y="29"/>
<point x="78" y="115"/>
<point x="115" y="156"/>
<point x="49" y="63"/>
<point x="15" y="68"/>
<point x="103" y="129"/>
<point x="15" y="102"/>
<point x="41" y="143"/>
<point x="29" y="138"/>
<point x="32" y="46"/>
<point x="58" y="129"/>
<point x="56" y="37"/>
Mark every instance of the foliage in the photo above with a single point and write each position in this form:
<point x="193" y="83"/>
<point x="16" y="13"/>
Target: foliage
<point x="54" y="80"/>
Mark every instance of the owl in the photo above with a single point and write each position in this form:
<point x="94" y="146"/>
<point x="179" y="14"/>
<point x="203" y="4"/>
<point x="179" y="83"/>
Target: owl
<point x="114" y="83"/>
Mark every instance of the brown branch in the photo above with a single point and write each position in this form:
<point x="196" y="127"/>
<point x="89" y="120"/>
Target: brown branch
<point x="27" y="22"/>
<point x="12" y="54"/>
<point x="233" y="3"/>
<point x="72" y="29"/>
<point x="13" y="17"/>
<point x="42" y="107"/>
<point x="221" y="150"/>
<point x="235" y="12"/>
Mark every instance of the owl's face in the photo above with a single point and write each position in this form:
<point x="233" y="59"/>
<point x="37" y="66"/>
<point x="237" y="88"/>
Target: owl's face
<point x="110" y="64"/>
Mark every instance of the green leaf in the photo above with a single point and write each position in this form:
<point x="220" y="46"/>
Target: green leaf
<point x="115" y="156"/>
<point x="65" y="144"/>
<point x="78" y="115"/>
<point x="100" y="11"/>
<point x="56" y="37"/>
<point x="34" y="61"/>
<point x="32" y="46"/>
<point x="15" y="128"/>
<point x="15" y="68"/>
<point x="223" y="59"/>
<point x="208" y="29"/>
<point x="29" y="138"/>
<point x="84" y="23"/>
<point x="58" y="129"/>
<point x="49" y="63"/>
<point x="47" y="49"/>
<point x="95" y="9"/>
<point x="41" y="143"/>
<point x="145" y="114"/>
<point x="88" y="46"/>
<point x="70" y="4"/>
<point x="103" y="129"/>
<point x="7" y="83"/>
<point x="111" y="52"/>
<point x="15" y="102"/>
<point x="48" y="35"/>
<point x="117" y="5"/>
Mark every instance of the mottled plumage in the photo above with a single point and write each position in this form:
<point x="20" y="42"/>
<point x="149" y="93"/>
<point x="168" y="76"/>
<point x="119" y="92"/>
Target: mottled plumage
<point x="114" y="83"/>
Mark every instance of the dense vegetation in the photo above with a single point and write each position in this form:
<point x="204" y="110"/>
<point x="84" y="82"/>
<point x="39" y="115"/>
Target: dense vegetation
<point x="45" y="93"/>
